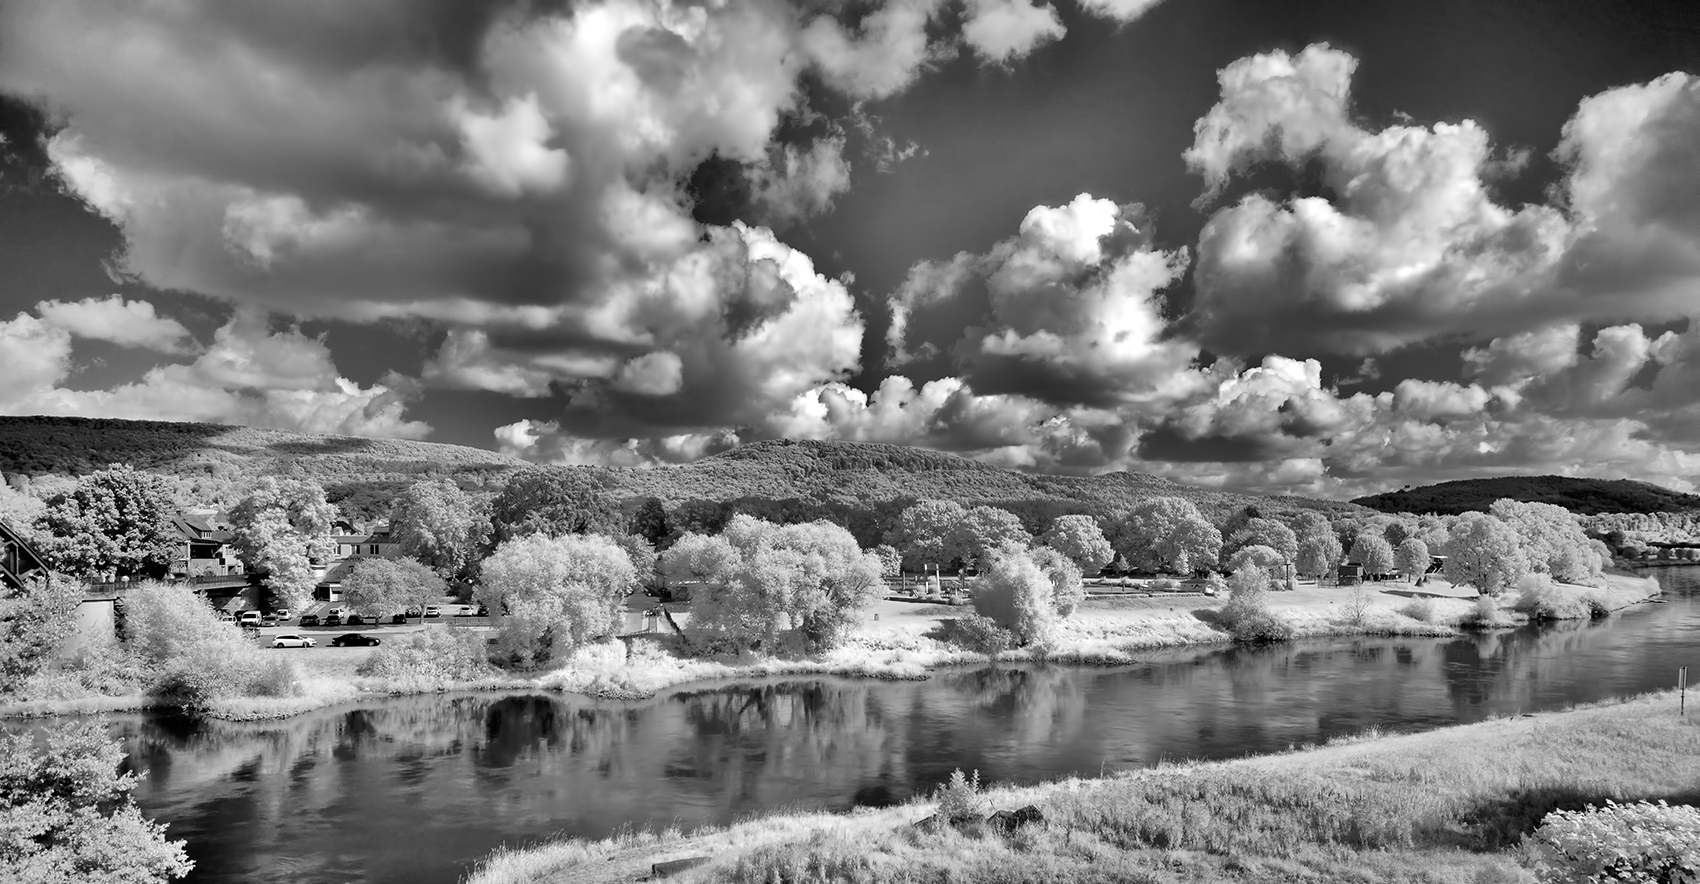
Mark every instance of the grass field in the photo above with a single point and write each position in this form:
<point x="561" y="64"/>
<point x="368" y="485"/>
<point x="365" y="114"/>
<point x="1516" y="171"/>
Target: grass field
<point x="1450" y="805"/>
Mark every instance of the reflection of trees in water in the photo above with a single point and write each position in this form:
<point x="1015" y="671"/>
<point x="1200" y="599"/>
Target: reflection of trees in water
<point x="755" y="745"/>
<point x="1031" y="706"/>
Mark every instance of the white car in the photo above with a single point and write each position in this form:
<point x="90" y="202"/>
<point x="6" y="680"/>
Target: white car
<point x="292" y="641"/>
<point x="281" y="613"/>
<point x="249" y="618"/>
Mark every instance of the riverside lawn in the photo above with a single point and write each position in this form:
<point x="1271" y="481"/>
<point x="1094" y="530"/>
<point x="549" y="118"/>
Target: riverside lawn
<point x="897" y="640"/>
<point x="1449" y="805"/>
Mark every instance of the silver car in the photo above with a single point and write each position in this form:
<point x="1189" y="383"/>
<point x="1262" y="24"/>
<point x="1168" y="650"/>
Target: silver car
<point x="292" y="641"/>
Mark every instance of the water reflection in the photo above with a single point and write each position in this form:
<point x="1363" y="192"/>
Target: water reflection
<point x="414" y="789"/>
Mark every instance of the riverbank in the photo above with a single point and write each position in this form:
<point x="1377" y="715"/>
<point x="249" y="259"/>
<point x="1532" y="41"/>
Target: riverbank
<point x="900" y="640"/>
<point x="1445" y="805"/>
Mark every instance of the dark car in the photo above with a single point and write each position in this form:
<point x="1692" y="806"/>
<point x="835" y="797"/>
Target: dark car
<point x="353" y="640"/>
<point x="309" y="620"/>
<point x="482" y="612"/>
<point x="357" y="620"/>
<point x="399" y="618"/>
<point x="332" y="620"/>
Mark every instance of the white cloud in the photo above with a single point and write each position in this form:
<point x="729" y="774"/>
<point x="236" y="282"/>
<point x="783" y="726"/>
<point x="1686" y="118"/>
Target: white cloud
<point x="114" y="319"/>
<point x="652" y="374"/>
<point x="882" y="56"/>
<point x="507" y="152"/>
<point x="1123" y="11"/>
<point x="1411" y="245"/>
<point x="1002" y="31"/>
<point x="794" y="184"/>
<point x="248" y="375"/>
<point x="1075" y="302"/>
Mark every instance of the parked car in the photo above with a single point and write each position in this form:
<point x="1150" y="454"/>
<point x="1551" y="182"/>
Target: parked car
<point x="354" y="640"/>
<point x="226" y="616"/>
<point x="339" y="611"/>
<point x="399" y="618"/>
<point x="433" y="611"/>
<point x="292" y="641"/>
<point x="268" y="620"/>
<point x="309" y="620"/>
<point x="282" y="613"/>
<point x="331" y="619"/>
<point x="357" y="620"/>
<point x="249" y="618"/>
<point x="482" y="611"/>
<point x="412" y="612"/>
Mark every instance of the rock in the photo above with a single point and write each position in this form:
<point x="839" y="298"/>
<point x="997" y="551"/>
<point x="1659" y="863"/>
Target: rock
<point x="1010" y="820"/>
<point x="675" y="866"/>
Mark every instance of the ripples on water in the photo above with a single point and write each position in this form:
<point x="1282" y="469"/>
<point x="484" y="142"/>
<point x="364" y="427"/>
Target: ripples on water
<point x="414" y="789"/>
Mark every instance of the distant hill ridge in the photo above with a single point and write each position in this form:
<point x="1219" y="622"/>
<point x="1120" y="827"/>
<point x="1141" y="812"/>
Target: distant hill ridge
<point x="1581" y="496"/>
<point x="370" y="470"/>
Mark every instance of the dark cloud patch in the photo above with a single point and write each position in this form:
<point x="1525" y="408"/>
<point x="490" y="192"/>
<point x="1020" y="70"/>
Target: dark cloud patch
<point x="1169" y="444"/>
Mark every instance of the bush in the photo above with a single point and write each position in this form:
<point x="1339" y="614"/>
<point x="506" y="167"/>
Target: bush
<point x="66" y="814"/>
<point x="981" y="634"/>
<point x="1246" y="616"/>
<point x="1619" y="842"/>
<point x="1016" y="594"/>
<point x="196" y="658"/>
<point x="1420" y="610"/>
<point x="960" y="799"/>
<point x="437" y="654"/>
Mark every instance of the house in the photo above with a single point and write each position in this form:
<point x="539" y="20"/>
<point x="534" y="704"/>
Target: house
<point x="205" y="550"/>
<point x="348" y="546"/>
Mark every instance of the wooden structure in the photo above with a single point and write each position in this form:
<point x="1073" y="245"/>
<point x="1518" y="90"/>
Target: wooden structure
<point x="18" y="561"/>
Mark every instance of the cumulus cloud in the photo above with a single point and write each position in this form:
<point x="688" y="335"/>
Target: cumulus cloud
<point x="1001" y="31"/>
<point x="1123" y="11"/>
<point x="120" y="321"/>
<point x="248" y="375"/>
<point x="1073" y="303"/>
<point x="1409" y="243"/>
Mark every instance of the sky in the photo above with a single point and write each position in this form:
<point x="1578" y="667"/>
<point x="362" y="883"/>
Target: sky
<point x="1322" y="248"/>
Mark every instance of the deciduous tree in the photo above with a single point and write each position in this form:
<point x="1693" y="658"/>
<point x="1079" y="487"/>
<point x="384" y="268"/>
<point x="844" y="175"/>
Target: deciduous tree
<point x="1551" y="538"/>
<point x="1168" y="534"/>
<point x="440" y="525"/>
<point x="380" y="586"/>
<point x="1080" y="538"/>
<point x="1373" y="552"/>
<point x="1483" y="552"/>
<point x="1319" y="553"/>
<point x="279" y="528"/>
<point x="924" y="531"/>
<point x="982" y="529"/>
<point x="548" y="595"/>
<point x="1266" y="533"/>
<point x="115" y="523"/>
<point x="1412" y="557"/>
<point x="555" y="501"/>
<point x="66" y="816"/>
<point x="811" y="577"/>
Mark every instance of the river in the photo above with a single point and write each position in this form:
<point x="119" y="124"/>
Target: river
<point x="416" y="789"/>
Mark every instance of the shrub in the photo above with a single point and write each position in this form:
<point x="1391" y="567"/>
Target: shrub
<point x="961" y="799"/>
<point x="1541" y="599"/>
<point x="1246" y="616"/>
<point x="981" y="634"/>
<point x="437" y="654"/>
<point x="1420" y="610"/>
<point x="1619" y="842"/>
<point x="1016" y="594"/>
<point x="196" y="658"/>
<point x="66" y="814"/>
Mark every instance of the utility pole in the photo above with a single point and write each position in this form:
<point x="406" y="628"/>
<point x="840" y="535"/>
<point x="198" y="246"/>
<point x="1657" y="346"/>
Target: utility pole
<point x="1682" y="692"/>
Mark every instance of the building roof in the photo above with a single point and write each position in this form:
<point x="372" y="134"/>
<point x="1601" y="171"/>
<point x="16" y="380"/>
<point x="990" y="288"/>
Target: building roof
<point x="197" y="527"/>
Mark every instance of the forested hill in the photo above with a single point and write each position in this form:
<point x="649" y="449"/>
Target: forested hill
<point x="366" y="472"/>
<point x="1581" y="496"/>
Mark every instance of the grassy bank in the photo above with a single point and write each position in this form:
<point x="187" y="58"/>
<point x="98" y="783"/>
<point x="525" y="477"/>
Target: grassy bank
<point x="900" y="641"/>
<point x="1442" y="806"/>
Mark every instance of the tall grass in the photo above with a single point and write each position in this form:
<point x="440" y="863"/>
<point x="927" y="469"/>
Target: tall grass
<point x="1451" y="805"/>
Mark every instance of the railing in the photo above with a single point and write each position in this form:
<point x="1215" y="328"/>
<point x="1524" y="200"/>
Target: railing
<point x="205" y="581"/>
